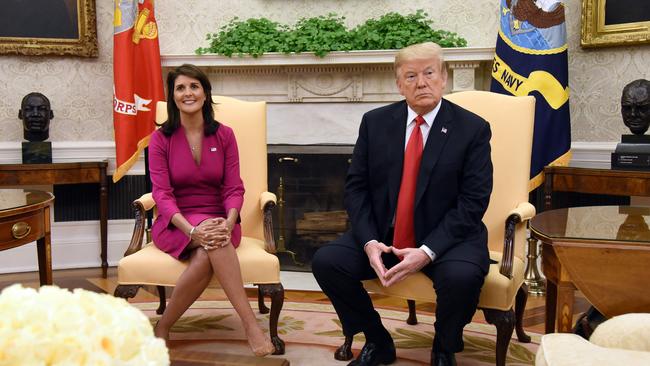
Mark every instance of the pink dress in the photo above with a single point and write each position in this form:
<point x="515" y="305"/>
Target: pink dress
<point x="198" y="192"/>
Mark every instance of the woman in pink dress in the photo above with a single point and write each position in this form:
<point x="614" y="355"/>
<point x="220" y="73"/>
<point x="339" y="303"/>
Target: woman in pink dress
<point x="194" y="166"/>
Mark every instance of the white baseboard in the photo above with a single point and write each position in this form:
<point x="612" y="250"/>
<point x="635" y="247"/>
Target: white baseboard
<point x="75" y="244"/>
<point x="303" y="281"/>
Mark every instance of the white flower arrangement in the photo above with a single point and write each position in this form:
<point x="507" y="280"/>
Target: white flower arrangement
<point x="54" y="326"/>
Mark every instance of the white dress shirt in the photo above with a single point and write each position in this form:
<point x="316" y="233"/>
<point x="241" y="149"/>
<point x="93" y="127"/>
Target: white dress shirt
<point x="424" y="129"/>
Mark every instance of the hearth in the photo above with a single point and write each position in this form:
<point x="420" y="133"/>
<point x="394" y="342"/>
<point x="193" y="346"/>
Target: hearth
<point x="308" y="181"/>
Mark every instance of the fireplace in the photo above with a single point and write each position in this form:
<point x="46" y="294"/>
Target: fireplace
<point x="314" y="107"/>
<point x="308" y="181"/>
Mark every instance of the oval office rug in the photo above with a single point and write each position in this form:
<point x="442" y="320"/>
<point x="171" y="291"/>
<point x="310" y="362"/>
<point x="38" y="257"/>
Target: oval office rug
<point x="312" y="332"/>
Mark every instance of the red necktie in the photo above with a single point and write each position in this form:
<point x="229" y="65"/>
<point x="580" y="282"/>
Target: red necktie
<point x="404" y="235"/>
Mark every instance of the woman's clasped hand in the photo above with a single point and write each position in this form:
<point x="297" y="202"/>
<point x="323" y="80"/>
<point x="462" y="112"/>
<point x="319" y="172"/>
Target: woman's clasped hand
<point x="213" y="233"/>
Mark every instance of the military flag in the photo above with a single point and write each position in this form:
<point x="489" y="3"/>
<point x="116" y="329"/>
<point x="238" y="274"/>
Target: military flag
<point x="137" y="80"/>
<point x="531" y="59"/>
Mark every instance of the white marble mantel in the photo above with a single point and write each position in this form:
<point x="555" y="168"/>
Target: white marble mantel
<point x="307" y="58"/>
<point x="315" y="100"/>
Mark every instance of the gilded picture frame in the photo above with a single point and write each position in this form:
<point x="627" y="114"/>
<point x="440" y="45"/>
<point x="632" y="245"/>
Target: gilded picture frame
<point x="615" y="23"/>
<point x="49" y="27"/>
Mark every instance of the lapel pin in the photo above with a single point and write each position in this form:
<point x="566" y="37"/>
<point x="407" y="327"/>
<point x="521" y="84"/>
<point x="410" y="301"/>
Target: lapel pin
<point x="213" y="149"/>
<point x="444" y="130"/>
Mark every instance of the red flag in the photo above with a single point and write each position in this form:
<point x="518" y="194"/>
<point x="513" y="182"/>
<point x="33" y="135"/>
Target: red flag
<point x="137" y="80"/>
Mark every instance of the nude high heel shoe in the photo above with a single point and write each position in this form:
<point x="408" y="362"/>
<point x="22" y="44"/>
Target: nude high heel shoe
<point x="264" y="350"/>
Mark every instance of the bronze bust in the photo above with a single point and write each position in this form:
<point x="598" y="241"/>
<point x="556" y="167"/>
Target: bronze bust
<point x="36" y="113"/>
<point x="635" y="106"/>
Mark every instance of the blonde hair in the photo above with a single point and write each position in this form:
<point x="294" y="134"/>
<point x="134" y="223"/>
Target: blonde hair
<point x="418" y="51"/>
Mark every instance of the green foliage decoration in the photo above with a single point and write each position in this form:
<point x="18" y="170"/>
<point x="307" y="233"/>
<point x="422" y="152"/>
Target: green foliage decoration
<point x="395" y="31"/>
<point x="319" y="35"/>
<point x="253" y="36"/>
<point x="326" y="33"/>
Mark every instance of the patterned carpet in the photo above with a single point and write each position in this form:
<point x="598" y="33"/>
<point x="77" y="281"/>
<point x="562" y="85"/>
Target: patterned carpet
<point x="312" y="332"/>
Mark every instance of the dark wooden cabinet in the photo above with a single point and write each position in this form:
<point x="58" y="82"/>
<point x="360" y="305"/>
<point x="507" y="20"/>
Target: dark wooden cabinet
<point x="593" y="181"/>
<point x="26" y="220"/>
<point x="65" y="173"/>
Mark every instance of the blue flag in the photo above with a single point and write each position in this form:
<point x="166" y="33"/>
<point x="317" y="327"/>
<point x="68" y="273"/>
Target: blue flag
<point x="531" y="59"/>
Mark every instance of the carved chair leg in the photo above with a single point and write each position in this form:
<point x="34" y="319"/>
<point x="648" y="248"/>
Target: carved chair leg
<point x="344" y="352"/>
<point x="505" y="323"/>
<point x="520" y="306"/>
<point x="126" y="291"/>
<point x="260" y="302"/>
<point x="276" y="292"/>
<point x="413" y="318"/>
<point x="162" y="297"/>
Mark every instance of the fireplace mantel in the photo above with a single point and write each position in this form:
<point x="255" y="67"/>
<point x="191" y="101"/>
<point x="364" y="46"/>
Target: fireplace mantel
<point x="462" y="54"/>
<point x="314" y="100"/>
<point x="355" y="76"/>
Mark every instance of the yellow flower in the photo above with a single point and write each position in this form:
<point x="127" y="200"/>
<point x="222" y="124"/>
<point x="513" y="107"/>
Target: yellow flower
<point x="54" y="326"/>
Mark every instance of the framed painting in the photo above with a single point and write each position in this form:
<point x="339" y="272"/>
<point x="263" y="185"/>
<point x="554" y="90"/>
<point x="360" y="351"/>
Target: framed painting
<point x="48" y="27"/>
<point x="615" y="23"/>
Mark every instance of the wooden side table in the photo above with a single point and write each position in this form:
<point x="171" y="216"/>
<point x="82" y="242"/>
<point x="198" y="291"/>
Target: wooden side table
<point x="25" y="217"/>
<point x="595" y="181"/>
<point x="65" y="173"/>
<point x="603" y="251"/>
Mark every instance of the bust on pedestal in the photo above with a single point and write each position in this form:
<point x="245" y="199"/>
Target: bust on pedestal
<point x="634" y="150"/>
<point x="36" y="113"/>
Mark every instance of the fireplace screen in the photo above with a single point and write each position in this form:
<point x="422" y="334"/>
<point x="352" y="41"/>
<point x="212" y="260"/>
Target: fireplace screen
<point x="309" y="183"/>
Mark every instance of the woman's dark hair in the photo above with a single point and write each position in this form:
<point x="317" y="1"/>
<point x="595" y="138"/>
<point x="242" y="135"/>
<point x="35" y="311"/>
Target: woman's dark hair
<point x="173" y="114"/>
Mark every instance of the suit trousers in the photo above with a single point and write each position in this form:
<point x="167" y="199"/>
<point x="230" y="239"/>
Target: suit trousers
<point x="340" y="266"/>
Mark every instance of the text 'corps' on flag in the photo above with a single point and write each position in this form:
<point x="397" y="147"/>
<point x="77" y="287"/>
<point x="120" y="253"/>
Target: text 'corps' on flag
<point x="137" y="80"/>
<point x="531" y="59"/>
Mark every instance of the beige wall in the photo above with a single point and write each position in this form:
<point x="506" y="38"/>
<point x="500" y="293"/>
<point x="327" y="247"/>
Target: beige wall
<point x="81" y="89"/>
<point x="596" y="78"/>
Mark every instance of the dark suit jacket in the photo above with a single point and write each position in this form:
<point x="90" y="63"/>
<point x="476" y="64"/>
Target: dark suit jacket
<point x="453" y="187"/>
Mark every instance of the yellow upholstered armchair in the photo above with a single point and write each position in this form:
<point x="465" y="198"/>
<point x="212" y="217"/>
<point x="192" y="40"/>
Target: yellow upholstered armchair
<point x="146" y="265"/>
<point x="504" y="294"/>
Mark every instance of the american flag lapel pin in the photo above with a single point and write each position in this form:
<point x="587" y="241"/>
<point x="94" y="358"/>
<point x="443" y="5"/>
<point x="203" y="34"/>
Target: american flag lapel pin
<point x="444" y="130"/>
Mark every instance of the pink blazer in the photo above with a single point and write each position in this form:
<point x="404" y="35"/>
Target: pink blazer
<point x="197" y="191"/>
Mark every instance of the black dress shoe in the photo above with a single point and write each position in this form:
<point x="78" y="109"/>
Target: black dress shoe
<point x="443" y="359"/>
<point x="373" y="355"/>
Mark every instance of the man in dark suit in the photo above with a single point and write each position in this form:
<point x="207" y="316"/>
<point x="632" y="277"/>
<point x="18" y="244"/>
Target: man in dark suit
<point x="416" y="191"/>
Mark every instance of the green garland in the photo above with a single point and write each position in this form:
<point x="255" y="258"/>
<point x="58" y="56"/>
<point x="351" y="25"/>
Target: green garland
<point x="323" y="34"/>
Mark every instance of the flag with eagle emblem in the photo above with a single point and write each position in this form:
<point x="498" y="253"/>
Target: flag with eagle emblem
<point x="531" y="59"/>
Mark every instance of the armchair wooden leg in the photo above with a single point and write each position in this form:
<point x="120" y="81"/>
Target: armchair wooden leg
<point x="260" y="302"/>
<point x="276" y="292"/>
<point x="505" y="323"/>
<point x="344" y="352"/>
<point x="520" y="306"/>
<point x="126" y="291"/>
<point x="413" y="318"/>
<point x="162" y="297"/>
